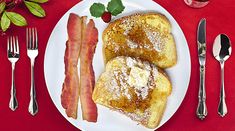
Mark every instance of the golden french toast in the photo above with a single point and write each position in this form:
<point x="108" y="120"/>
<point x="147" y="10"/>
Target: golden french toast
<point x="147" y="36"/>
<point x="135" y="88"/>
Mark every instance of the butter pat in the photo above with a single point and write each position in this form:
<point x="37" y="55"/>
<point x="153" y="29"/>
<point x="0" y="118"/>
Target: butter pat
<point x="138" y="77"/>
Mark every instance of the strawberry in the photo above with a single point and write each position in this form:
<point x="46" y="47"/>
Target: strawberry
<point x="106" y="17"/>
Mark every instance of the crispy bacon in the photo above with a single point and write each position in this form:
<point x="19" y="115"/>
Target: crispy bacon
<point x="70" y="90"/>
<point x="90" y="39"/>
<point x="85" y="37"/>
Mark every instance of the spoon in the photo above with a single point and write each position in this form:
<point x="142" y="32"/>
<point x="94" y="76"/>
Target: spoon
<point x="222" y="50"/>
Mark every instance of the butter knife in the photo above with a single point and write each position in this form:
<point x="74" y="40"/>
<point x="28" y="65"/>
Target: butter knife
<point x="201" y="41"/>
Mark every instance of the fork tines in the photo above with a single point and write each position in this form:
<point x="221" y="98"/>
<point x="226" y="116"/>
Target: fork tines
<point x="32" y="52"/>
<point x="12" y="46"/>
<point x="13" y="54"/>
<point x="32" y="38"/>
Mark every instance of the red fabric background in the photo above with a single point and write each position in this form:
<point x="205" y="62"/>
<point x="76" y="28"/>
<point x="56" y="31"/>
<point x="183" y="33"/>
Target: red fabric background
<point x="220" y="16"/>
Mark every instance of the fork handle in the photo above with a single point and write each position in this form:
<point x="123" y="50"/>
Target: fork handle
<point x="13" y="104"/>
<point x="33" y="106"/>
<point x="202" y="109"/>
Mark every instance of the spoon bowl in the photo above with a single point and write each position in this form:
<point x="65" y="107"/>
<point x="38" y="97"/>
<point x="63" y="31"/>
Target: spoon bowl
<point x="222" y="47"/>
<point x="222" y="51"/>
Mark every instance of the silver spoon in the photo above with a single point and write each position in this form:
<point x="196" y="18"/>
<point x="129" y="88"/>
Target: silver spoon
<point x="222" y="50"/>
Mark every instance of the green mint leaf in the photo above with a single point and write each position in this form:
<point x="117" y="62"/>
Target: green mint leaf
<point x="2" y="6"/>
<point x="115" y="7"/>
<point x="35" y="9"/>
<point x="5" y="22"/>
<point x="39" y="1"/>
<point x="16" y="18"/>
<point x="97" y="9"/>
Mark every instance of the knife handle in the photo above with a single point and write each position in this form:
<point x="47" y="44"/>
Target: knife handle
<point x="202" y="109"/>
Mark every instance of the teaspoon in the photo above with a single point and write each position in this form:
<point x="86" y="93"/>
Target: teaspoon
<point x="222" y="50"/>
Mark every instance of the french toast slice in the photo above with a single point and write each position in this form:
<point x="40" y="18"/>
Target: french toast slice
<point x="147" y="36"/>
<point x="135" y="88"/>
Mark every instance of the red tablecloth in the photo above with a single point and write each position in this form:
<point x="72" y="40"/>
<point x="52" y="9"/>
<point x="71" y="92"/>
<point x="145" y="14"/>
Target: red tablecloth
<point x="220" y="17"/>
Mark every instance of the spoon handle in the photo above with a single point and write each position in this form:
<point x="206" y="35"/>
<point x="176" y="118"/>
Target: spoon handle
<point x="222" y="109"/>
<point x="202" y="109"/>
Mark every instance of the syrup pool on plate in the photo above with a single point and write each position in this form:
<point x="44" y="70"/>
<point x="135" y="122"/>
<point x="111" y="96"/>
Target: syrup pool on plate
<point x="196" y="3"/>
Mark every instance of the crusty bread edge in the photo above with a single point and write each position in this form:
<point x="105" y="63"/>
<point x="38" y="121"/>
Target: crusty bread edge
<point x="144" y="14"/>
<point x="111" y="24"/>
<point x="157" y="122"/>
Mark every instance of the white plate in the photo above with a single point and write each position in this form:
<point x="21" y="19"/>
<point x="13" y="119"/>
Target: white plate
<point x="109" y="120"/>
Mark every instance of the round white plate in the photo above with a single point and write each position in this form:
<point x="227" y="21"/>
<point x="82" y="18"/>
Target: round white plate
<point x="109" y="120"/>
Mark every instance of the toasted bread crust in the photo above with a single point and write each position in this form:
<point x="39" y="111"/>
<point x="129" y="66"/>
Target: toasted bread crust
<point x="131" y="36"/>
<point x="152" y="115"/>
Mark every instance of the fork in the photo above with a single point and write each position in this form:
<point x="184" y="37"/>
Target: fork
<point x="13" y="54"/>
<point x="32" y="52"/>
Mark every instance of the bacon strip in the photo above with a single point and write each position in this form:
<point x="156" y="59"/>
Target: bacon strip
<point x="70" y="90"/>
<point x="90" y="39"/>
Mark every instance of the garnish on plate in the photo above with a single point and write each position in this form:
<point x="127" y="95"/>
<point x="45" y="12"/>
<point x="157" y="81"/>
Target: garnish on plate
<point x="114" y="8"/>
<point x="106" y="17"/>
<point x="97" y="9"/>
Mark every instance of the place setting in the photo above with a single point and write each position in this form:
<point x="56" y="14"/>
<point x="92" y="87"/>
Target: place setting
<point x="222" y="51"/>
<point x="122" y="64"/>
<point x="127" y="63"/>
<point x="13" y="54"/>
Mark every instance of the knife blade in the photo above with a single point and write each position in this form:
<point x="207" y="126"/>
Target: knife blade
<point x="201" y="41"/>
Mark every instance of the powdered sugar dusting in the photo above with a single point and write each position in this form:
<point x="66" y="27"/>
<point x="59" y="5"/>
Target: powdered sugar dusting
<point x="120" y="77"/>
<point x="140" y="118"/>
<point x="156" y="39"/>
<point x="146" y="46"/>
<point x="155" y="72"/>
<point x="142" y="92"/>
<point x="119" y="86"/>
<point x="130" y="62"/>
<point x="127" y="25"/>
<point x="131" y="44"/>
<point x="116" y="48"/>
<point x="147" y="65"/>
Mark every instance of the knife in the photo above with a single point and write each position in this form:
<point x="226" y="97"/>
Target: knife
<point x="201" y="41"/>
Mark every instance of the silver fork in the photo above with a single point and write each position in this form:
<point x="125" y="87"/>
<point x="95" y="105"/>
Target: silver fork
<point x="32" y="52"/>
<point x="13" y="54"/>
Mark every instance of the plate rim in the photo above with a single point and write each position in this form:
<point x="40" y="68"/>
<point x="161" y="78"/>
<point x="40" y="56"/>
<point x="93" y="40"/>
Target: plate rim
<point x="157" y="4"/>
